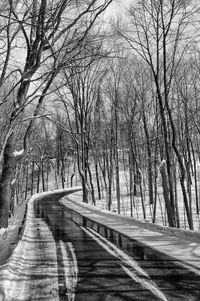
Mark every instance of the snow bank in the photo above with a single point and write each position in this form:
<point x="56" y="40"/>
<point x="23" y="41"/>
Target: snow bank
<point x="9" y="237"/>
<point x="189" y="235"/>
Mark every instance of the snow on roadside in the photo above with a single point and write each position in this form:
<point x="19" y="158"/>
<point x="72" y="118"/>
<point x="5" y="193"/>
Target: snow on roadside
<point x="185" y="234"/>
<point x="9" y="236"/>
<point x="26" y="257"/>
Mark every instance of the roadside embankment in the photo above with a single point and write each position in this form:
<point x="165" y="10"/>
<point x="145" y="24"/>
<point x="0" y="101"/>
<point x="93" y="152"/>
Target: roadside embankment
<point x="183" y="245"/>
<point x="9" y="237"/>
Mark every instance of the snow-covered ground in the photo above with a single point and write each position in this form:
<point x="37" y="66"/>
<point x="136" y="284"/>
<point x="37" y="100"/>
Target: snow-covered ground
<point x="9" y="236"/>
<point x="161" y="214"/>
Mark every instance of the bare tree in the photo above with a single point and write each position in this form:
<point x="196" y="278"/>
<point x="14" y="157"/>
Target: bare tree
<point x="38" y="39"/>
<point x="158" y="32"/>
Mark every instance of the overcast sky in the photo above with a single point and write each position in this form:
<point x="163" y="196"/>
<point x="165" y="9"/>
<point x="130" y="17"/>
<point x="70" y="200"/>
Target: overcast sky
<point x="118" y="6"/>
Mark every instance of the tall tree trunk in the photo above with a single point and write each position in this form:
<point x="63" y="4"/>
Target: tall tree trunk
<point x="27" y="178"/>
<point x="32" y="177"/>
<point x="168" y="179"/>
<point x="103" y="170"/>
<point x="85" y="191"/>
<point x="110" y="182"/>
<point x="47" y="170"/>
<point x="62" y="163"/>
<point x="142" y="200"/>
<point x="116" y="154"/>
<point x="92" y="186"/>
<point x="97" y="180"/>
<point x="176" y="197"/>
<point x="149" y="158"/>
<point x="42" y="171"/>
<point x="38" y="179"/>
<point x="110" y="171"/>
<point x="195" y="179"/>
<point x="182" y="169"/>
<point x="5" y="187"/>
<point x="166" y="192"/>
<point x="131" y="181"/>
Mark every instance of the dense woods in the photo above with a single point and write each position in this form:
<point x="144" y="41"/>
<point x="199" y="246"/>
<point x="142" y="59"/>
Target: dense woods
<point x="108" y="103"/>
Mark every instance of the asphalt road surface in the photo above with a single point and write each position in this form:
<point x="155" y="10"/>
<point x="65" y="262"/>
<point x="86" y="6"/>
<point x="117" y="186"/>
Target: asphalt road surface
<point x="91" y="268"/>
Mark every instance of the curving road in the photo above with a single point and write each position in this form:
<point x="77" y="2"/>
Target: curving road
<point x="57" y="259"/>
